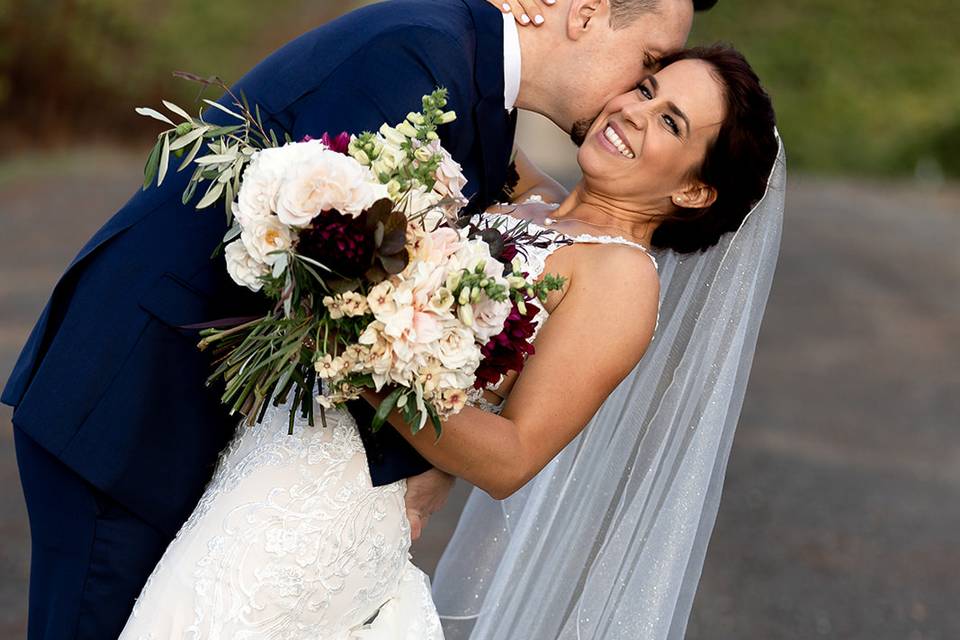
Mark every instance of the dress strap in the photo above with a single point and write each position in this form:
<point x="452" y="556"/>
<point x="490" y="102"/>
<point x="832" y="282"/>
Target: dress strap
<point x="586" y="238"/>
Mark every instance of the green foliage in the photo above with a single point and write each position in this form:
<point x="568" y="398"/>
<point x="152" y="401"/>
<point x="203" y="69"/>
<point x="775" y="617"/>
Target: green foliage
<point x="860" y="86"/>
<point x="71" y="68"/>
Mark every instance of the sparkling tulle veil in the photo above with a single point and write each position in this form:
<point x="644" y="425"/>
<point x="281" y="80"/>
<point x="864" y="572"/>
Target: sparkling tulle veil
<point x="608" y="541"/>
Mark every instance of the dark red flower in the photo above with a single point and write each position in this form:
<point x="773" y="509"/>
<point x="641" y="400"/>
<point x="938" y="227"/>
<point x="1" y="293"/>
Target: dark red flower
<point x="339" y="242"/>
<point x="508" y="350"/>
<point x="340" y="144"/>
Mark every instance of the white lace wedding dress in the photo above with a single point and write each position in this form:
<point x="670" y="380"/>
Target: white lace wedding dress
<point x="291" y="541"/>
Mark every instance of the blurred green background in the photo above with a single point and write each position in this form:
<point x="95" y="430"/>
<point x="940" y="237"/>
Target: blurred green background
<point x="863" y="87"/>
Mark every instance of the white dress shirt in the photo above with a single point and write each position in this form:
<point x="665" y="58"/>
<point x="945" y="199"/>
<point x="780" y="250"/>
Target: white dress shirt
<point x="511" y="62"/>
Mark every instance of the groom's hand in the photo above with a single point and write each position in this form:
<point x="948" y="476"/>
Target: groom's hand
<point x="426" y="494"/>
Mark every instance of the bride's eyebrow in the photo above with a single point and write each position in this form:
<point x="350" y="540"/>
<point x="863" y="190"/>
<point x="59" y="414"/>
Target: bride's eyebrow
<point x="672" y="106"/>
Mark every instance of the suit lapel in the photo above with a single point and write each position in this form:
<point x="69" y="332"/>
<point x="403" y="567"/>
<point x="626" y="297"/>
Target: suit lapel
<point x="495" y="127"/>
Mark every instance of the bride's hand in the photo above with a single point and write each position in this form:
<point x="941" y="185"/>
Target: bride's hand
<point x="526" y="12"/>
<point x="426" y="494"/>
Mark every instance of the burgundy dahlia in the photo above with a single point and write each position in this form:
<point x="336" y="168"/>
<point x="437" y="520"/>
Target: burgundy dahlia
<point x="339" y="242"/>
<point x="507" y="350"/>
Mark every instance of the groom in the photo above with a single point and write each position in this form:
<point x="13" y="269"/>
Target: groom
<point x="115" y="431"/>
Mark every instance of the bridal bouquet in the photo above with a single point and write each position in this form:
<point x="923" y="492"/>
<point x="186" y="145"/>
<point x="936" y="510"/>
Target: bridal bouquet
<point x="373" y="278"/>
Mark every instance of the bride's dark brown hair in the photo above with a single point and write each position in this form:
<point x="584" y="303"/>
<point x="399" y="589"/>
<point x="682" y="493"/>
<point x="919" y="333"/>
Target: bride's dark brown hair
<point x="738" y="162"/>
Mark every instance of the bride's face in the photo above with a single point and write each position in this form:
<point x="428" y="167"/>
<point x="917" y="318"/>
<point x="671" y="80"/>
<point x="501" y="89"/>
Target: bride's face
<point x="645" y="145"/>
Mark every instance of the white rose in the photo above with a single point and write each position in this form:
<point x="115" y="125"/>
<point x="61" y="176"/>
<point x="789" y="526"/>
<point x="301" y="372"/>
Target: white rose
<point x="323" y="180"/>
<point x="450" y="178"/>
<point x="243" y="268"/>
<point x="261" y="182"/>
<point x="263" y="236"/>
<point x="419" y="201"/>
<point x="489" y="317"/>
<point x="473" y="253"/>
<point x="457" y="348"/>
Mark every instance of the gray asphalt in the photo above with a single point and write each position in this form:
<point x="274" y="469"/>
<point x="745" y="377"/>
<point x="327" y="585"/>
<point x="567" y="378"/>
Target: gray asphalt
<point x="840" y="511"/>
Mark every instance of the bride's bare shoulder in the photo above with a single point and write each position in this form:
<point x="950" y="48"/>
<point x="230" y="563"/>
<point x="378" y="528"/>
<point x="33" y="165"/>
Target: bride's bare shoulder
<point x="620" y="277"/>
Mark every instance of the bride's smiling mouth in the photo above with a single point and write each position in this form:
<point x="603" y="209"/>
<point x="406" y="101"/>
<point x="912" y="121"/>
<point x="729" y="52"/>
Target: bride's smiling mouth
<point x="611" y="138"/>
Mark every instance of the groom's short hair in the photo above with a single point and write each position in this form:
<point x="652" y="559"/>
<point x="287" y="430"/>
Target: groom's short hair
<point x="623" y="12"/>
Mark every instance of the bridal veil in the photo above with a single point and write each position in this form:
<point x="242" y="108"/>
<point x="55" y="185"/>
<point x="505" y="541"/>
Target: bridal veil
<point x="608" y="541"/>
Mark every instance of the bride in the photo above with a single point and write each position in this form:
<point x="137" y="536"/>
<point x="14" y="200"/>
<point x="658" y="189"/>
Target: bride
<point x="291" y="540"/>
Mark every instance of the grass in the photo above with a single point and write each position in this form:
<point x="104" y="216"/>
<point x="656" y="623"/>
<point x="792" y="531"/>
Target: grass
<point x="861" y="86"/>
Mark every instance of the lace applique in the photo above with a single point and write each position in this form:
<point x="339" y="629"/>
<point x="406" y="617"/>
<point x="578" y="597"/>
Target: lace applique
<point x="290" y="540"/>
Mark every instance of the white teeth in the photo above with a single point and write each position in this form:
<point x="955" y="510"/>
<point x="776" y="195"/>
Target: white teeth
<point x="615" y="140"/>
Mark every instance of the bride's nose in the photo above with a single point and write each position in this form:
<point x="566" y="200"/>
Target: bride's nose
<point x="635" y="115"/>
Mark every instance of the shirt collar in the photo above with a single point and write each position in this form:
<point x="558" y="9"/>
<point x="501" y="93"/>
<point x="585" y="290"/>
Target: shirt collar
<point x="511" y="62"/>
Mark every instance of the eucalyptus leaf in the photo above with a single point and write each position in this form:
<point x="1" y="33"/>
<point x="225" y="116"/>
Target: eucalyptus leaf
<point x="383" y="411"/>
<point x="215" y="159"/>
<point x="217" y="105"/>
<point x="150" y="170"/>
<point x="189" y="191"/>
<point x="314" y="263"/>
<point x="156" y="115"/>
<point x="218" y="132"/>
<point x="177" y="110"/>
<point x="234" y="232"/>
<point x="190" y="156"/>
<point x="213" y="193"/>
<point x="186" y="139"/>
<point x="164" y="160"/>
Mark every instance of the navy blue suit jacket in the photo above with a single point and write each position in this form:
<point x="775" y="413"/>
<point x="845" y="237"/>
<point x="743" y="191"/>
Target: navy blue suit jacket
<point x="109" y="383"/>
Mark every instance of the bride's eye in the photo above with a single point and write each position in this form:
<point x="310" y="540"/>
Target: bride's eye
<point x="672" y="125"/>
<point x="645" y="91"/>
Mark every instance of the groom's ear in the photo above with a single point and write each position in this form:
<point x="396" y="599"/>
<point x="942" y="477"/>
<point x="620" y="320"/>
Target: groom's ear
<point x="585" y="16"/>
<point x="695" y="196"/>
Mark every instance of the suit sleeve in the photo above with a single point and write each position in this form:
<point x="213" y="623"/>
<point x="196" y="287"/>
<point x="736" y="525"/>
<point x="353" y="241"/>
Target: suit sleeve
<point x="386" y="80"/>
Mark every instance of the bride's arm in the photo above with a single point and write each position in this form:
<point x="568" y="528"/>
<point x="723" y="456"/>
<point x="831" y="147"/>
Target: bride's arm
<point x="594" y="337"/>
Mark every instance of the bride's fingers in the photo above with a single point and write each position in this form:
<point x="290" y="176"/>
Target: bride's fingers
<point x="526" y="12"/>
<point x="417" y="522"/>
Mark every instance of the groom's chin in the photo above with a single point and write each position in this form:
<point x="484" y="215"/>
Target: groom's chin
<point x="580" y="129"/>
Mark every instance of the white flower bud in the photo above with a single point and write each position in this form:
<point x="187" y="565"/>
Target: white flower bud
<point x="453" y="280"/>
<point x="423" y="154"/>
<point x="392" y="135"/>
<point x="465" y="295"/>
<point x="465" y="313"/>
<point x="360" y="156"/>
<point x="516" y="282"/>
<point x="475" y="294"/>
<point x="407" y="129"/>
<point x="448" y="117"/>
<point x="415" y="117"/>
<point x="521" y="306"/>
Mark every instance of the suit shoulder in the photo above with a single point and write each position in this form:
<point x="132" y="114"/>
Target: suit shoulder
<point x="451" y="18"/>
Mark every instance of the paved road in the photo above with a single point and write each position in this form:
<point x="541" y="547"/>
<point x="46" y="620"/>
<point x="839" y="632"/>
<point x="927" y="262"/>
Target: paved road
<point x="840" y="512"/>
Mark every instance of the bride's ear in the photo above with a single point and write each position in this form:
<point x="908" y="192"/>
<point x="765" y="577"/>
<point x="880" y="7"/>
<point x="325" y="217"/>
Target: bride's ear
<point x="584" y="15"/>
<point x="695" y="196"/>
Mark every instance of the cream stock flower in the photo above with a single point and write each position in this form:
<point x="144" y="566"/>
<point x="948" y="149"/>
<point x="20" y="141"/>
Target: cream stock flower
<point x="450" y="402"/>
<point x="329" y="367"/>
<point x="380" y="299"/>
